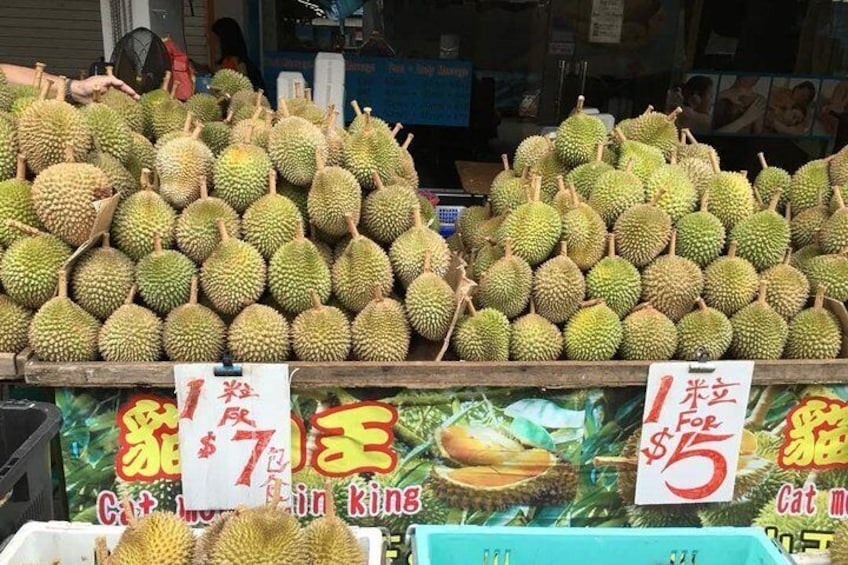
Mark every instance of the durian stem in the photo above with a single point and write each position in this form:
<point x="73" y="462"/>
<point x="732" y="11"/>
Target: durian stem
<point x="284" y="108"/>
<point x="572" y="190"/>
<point x="537" y="188"/>
<point x="819" y="196"/>
<point x="762" y="157"/>
<point x="599" y="152"/>
<point x="272" y="181"/>
<point x="682" y="136"/>
<point x="673" y="159"/>
<point x="69" y="153"/>
<point x="269" y="117"/>
<point x="101" y="551"/>
<point x="705" y="200"/>
<point x="250" y="131"/>
<point x="407" y="141"/>
<point x="357" y="110"/>
<point x="330" y="502"/>
<point x="23" y="228"/>
<point x="110" y="70"/>
<point x="469" y="305"/>
<point x="618" y="462"/>
<point x="298" y="231"/>
<point x="505" y="161"/>
<point x="192" y="297"/>
<point x="714" y="162"/>
<point x="657" y="196"/>
<point x="307" y="93"/>
<point x="648" y="110"/>
<point x="702" y="306"/>
<point x="378" y="293"/>
<point x="563" y="248"/>
<point x="378" y="182"/>
<point x="761" y="298"/>
<point x="396" y="129"/>
<point x="229" y="117"/>
<point x="580" y="100"/>
<point x="277" y="487"/>
<point x="351" y="226"/>
<point x="787" y="257"/>
<point x="257" y="112"/>
<point x="173" y="92"/>
<point x="197" y="129"/>
<point x="731" y="249"/>
<point x="774" y="200"/>
<point x="611" y="244"/>
<point x="629" y="167"/>
<point x="63" y="284"/>
<point x="131" y="295"/>
<point x="819" y="302"/>
<point x="20" y="170"/>
<point x="258" y="101"/>
<point x="672" y="116"/>
<point x="166" y="80"/>
<point x="837" y="193"/>
<point x="561" y="185"/>
<point x="146" y="179"/>
<point x="297" y="90"/>
<point x="758" y="414"/>
<point x="416" y="216"/>
<point x="788" y="213"/>
<point x="129" y="511"/>
<point x="104" y="241"/>
<point x="367" y="128"/>
<point x="316" y="301"/>
<point x="45" y="89"/>
<point x="619" y="135"/>
<point x="427" y="258"/>
<point x="39" y="74"/>
<point x="691" y="137"/>
<point x="222" y="229"/>
<point x="508" y="248"/>
<point x="157" y="243"/>
<point x="61" y="88"/>
<point x="319" y="161"/>
<point x="532" y="306"/>
<point x="593" y="302"/>
<point x="204" y="189"/>
<point x="98" y="92"/>
<point x="187" y="123"/>
<point x="672" y="245"/>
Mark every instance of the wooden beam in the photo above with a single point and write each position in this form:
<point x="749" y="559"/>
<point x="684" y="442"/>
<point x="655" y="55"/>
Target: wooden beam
<point x="429" y="374"/>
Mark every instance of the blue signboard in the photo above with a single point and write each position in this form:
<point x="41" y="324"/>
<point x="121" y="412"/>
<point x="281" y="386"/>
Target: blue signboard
<point x="410" y="91"/>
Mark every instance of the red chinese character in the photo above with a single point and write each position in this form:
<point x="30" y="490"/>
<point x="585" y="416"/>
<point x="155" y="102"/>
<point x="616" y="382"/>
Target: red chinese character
<point x="720" y="390"/>
<point x="270" y="486"/>
<point x="716" y="459"/>
<point x="238" y="416"/>
<point x="236" y="389"/>
<point x="208" y="443"/>
<point x="816" y="435"/>
<point x="277" y="460"/>
<point x="693" y="393"/>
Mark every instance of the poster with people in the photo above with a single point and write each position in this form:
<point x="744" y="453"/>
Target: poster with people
<point x="753" y="104"/>
<point x="791" y="105"/>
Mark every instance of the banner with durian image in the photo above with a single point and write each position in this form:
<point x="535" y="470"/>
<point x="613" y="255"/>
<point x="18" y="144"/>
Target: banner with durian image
<point x="492" y="456"/>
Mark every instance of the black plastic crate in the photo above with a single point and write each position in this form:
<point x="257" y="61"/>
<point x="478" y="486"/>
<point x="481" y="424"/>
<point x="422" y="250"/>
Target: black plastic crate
<point x="26" y="429"/>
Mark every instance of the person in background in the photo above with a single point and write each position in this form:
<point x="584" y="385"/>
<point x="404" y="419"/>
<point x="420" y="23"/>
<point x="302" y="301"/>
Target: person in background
<point x="739" y="108"/>
<point x="697" y="94"/>
<point x="789" y="108"/>
<point x="234" y="51"/>
<point x="78" y="91"/>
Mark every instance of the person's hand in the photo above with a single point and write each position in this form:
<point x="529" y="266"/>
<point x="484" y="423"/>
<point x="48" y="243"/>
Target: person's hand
<point x="757" y="108"/>
<point x="82" y="91"/>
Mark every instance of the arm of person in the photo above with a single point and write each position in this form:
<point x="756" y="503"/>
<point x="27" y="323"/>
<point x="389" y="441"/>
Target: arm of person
<point x="754" y="112"/>
<point x="82" y="91"/>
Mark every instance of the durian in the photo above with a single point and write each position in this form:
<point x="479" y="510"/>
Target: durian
<point x="362" y="266"/>
<point x="482" y="336"/>
<point x="672" y="284"/>
<point x="295" y="147"/>
<point x="772" y="180"/>
<point x="16" y="204"/>
<point x="228" y="82"/>
<point x="647" y="335"/>
<point x="834" y="232"/>
<point x="386" y="212"/>
<point x="642" y="232"/>
<point x="758" y="331"/>
<point x="164" y="278"/>
<point x="240" y="175"/>
<point x="193" y="333"/>
<point x="534" y="228"/>
<point x="101" y="280"/>
<point x="506" y="285"/>
<point x="703" y="329"/>
<point x="132" y="334"/>
<point x="584" y="176"/>
<point x="762" y="239"/>
<point x="731" y="198"/>
<point x="615" y="281"/>
<point x="334" y="195"/>
<point x="814" y="333"/>
<point x="233" y="276"/>
<point x="259" y="334"/>
<point x="558" y="288"/>
<point x="330" y="540"/>
<point x="730" y="282"/>
<point x="677" y="194"/>
<point x="160" y="537"/>
<point x="584" y="231"/>
<point x="321" y="333"/>
<point x="181" y="164"/>
<point x="141" y="216"/>
<point x="430" y="304"/>
<point x="807" y="182"/>
<point x="14" y="325"/>
<point x="700" y="235"/>
<point x="530" y="151"/>
<point x="806" y="224"/>
<point x="380" y="332"/>
<point x="787" y="288"/>
<point x="534" y="338"/>
<point x="615" y="192"/>
<point x="408" y="250"/>
<point x="110" y="133"/>
<point x="29" y="268"/>
<point x="296" y="270"/>
<point x="197" y="230"/>
<point x="594" y="333"/>
<point x="271" y="221"/>
<point x="578" y="136"/>
<point x="61" y="331"/>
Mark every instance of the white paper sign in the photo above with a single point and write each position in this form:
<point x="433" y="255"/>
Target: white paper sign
<point x="235" y="435"/>
<point x="692" y="432"/>
<point x="607" y="21"/>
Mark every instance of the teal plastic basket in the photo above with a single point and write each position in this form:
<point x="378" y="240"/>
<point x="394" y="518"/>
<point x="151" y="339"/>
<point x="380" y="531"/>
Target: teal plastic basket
<point x="480" y="545"/>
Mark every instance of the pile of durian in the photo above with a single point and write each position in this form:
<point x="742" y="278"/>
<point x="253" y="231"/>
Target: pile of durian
<point x="263" y="535"/>
<point x="276" y="234"/>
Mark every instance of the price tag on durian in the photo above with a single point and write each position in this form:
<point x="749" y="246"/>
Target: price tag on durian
<point x="234" y="434"/>
<point x="693" y="441"/>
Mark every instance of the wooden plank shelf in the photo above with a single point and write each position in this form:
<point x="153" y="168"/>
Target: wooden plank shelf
<point x="12" y="365"/>
<point x="428" y="374"/>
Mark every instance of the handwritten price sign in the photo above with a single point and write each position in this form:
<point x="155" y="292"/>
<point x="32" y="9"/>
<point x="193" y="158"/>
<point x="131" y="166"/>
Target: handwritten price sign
<point x="691" y="432"/>
<point x="234" y="435"/>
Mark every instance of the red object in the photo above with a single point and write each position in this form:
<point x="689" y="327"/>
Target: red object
<point x="181" y="71"/>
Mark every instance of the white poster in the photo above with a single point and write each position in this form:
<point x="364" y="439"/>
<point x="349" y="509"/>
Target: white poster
<point x="607" y="21"/>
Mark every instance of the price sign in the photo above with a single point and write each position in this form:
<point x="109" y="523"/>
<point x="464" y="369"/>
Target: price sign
<point x="692" y="431"/>
<point x="234" y="435"/>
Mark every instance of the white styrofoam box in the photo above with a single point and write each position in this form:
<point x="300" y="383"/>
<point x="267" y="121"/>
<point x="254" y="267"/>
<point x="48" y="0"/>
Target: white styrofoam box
<point x="329" y="81"/>
<point x="43" y="543"/>
<point x="286" y="82"/>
